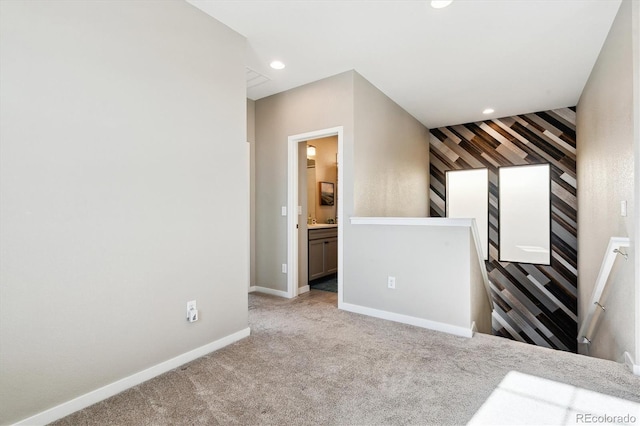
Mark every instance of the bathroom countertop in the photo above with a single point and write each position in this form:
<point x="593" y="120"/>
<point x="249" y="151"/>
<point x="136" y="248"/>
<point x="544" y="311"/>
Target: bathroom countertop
<point x="322" y="225"/>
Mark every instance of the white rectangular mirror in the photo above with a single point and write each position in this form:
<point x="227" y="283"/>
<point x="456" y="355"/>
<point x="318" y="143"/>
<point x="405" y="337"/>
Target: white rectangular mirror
<point x="468" y="197"/>
<point x="525" y="214"/>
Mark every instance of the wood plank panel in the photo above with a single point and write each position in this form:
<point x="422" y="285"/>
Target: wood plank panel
<point x="534" y="303"/>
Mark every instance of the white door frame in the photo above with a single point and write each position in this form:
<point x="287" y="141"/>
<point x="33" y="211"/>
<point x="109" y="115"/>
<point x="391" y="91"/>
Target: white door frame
<point x="293" y="203"/>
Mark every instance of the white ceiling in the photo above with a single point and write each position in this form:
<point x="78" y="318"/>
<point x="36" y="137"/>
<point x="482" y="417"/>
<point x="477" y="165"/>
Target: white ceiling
<point x="444" y="66"/>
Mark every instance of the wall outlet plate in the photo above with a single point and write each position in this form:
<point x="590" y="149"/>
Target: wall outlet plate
<point x="192" y="311"/>
<point x="391" y="282"/>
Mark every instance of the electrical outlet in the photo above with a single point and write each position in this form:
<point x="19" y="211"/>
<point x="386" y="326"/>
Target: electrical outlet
<point x="284" y="268"/>
<point x="623" y="208"/>
<point x="391" y="282"/>
<point x="192" y="311"/>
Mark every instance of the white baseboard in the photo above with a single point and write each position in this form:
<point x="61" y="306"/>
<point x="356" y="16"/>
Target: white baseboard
<point x="628" y="361"/>
<point x="270" y="291"/>
<point x="252" y="289"/>
<point x="406" y="319"/>
<point x="84" y="401"/>
<point x="303" y="289"/>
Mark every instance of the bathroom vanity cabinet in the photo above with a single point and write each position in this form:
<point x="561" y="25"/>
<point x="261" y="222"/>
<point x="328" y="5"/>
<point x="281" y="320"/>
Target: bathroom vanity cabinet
<point x="323" y="251"/>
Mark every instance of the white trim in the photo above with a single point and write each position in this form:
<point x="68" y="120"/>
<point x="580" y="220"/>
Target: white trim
<point x="272" y="292"/>
<point x="406" y="319"/>
<point x="252" y="289"/>
<point x="474" y="328"/>
<point x="303" y="289"/>
<point x="340" y="218"/>
<point x="90" y="398"/>
<point x="292" y="205"/>
<point x="411" y="221"/>
<point x="633" y="367"/>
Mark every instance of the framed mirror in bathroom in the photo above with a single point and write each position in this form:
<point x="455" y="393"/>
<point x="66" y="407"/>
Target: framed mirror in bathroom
<point x="327" y="194"/>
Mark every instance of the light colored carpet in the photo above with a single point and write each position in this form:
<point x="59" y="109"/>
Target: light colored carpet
<point x="308" y="363"/>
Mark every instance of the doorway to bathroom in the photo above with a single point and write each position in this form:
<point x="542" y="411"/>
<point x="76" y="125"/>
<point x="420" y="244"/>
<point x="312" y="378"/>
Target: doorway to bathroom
<point x="314" y="234"/>
<point x="322" y="218"/>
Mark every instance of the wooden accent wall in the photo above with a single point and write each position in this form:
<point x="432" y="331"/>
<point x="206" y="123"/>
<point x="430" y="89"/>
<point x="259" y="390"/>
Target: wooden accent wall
<point x="533" y="303"/>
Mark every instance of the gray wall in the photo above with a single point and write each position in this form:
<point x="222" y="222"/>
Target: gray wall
<point x="324" y="104"/>
<point x="385" y="163"/>
<point x="605" y="132"/>
<point x="391" y="157"/>
<point x="436" y="268"/>
<point x="391" y="179"/>
<point x="124" y="182"/>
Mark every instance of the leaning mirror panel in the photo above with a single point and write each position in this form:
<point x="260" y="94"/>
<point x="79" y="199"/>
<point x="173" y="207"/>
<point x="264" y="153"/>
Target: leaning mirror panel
<point x="525" y="214"/>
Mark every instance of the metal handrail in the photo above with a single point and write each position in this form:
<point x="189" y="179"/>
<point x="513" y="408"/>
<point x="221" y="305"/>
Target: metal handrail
<point x="615" y="244"/>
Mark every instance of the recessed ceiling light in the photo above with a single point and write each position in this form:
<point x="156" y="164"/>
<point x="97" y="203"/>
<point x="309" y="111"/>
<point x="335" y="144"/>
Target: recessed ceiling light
<point x="439" y="4"/>
<point x="488" y="111"/>
<point x="277" y="65"/>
